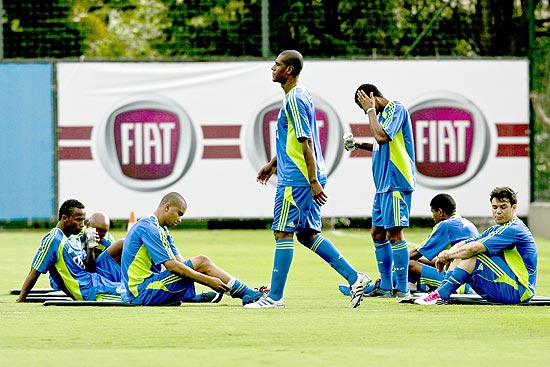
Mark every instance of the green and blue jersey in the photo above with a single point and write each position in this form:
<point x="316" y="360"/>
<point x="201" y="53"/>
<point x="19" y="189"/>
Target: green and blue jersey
<point x="514" y="242"/>
<point x="297" y="120"/>
<point x="445" y="234"/>
<point x="64" y="258"/>
<point x="393" y="163"/>
<point x="146" y="247"/>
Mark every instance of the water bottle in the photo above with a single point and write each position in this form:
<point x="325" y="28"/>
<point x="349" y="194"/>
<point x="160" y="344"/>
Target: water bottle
<point x="90" y="237"/>
<point x="348" y="140"/>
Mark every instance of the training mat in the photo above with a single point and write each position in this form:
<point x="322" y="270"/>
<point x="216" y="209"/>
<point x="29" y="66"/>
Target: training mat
<point x="16" y="291"/>
<point x="98" y="303"/>
<point x="475" y="299"/>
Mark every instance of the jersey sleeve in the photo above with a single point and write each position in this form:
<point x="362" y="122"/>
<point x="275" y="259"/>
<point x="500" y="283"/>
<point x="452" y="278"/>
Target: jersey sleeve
<point x="46" y="256"/>
<point x="498" y="238"/>
<point x="436" y="242"/>
<point x="296" y="110"/>
<point x="158" y="244"/>
<point x="393" y="119"/>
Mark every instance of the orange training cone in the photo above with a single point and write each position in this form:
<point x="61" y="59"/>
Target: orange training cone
<point x="132" y="220"/>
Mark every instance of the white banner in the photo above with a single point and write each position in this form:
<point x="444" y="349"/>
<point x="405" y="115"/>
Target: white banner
<point x="130" y="132"/>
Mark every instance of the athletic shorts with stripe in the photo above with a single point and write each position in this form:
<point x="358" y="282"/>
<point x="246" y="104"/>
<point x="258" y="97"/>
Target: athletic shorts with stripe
<point x="165" y="287"/>
<point x="295" y="210"/>
<point x="391" y="209"/>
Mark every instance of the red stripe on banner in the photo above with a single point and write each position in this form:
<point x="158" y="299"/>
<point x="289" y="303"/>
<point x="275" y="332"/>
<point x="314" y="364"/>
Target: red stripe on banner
<point x="512" y="129"/>
<point x="360" y="153"/>
<point x="75" y="153"/>
<point x="360" y="130"/>
<point x="74" y="132"/>
<point x="221" y="151"/>
<point x="221" y="131"/>
<point x="513" y="150"/>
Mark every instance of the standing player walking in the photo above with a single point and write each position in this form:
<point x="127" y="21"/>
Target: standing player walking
<point x="302" y="175"/>
<point x="393" y="167"/>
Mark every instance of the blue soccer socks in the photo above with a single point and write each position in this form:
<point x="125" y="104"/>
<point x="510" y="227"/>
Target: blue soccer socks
<point x="241" y="290"/>
<point x="323" y="247"/>
<point x="450" y="284"/>
<point x="401" y="265"/>
<point x="284" y="253"/>
<point x="384" y="261"/>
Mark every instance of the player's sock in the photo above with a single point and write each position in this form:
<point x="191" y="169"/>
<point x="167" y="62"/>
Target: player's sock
<point x="284" y="252"/>
<point x="323" y="247"/>
<point x="429" y="278"/>
<point x="240" y="289"/>
<point x="457" y="277"/>
<point x="384" y="261"/>
<point x="401" y="265"/>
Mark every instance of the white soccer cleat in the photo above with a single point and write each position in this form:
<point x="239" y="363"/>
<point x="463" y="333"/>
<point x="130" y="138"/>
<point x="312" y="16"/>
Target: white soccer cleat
<point x="266" y="302"/>
<point x="433" y="298"/>
<point x="356" y="290"/>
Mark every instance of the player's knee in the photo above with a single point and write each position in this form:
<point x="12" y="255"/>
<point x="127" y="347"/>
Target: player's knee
<point x="306" y="237"/>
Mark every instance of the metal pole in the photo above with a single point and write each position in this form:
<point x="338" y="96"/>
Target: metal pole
<point x="1" y="30"/>
<point x="531" y="55"/>
<point x="265" y="29"/>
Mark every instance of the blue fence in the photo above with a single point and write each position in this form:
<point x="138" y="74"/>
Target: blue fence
<point x="27" y="141"/>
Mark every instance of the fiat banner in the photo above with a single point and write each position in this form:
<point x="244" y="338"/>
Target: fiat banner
<point x="130" y="132"/>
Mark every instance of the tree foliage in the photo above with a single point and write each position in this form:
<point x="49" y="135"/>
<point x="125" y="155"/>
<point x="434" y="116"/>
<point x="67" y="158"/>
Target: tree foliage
<point x="232" y="28"/>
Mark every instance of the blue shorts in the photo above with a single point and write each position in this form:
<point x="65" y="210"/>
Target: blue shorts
<point x="164" y="288"/>
<point x="391" y="209"/>
<point x="106" y="280"/>
<point x="295" y="210"/>
<point x="493" y="280"/>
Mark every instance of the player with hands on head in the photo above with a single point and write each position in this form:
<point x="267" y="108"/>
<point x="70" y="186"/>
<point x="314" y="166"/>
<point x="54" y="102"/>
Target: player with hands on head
<point x="393" y="166"/>
<point x="301" y="177"/>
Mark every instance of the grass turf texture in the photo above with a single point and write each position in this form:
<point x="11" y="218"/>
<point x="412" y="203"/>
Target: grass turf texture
<point x="315" y="329"/>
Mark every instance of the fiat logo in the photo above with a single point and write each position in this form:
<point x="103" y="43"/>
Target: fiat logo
<point x="146" y="143"/>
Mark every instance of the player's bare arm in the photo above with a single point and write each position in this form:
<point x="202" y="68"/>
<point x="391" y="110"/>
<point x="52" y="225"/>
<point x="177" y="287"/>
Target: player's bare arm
<point x="368" y="104"/>
<point x="316" y="189"/>
<point x="267" y="171"/>
<point x="28" y="284"/>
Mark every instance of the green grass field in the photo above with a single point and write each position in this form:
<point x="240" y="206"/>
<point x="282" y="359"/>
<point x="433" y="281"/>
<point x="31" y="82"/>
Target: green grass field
<point x="315" y="329"/>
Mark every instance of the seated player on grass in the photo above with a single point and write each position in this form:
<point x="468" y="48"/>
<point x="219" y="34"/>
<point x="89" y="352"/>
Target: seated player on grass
<point x="450" y="228"/>
<point x="62" y="255"/>
<point x="155" y="273"/>
<point x="102" y="224"/>
<point x="500" y="264"/>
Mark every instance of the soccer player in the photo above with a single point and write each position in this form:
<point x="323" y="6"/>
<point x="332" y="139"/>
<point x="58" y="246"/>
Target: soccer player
<point x="302" y="175"/>
<point x="500" y="264"/>
<point x="155" y="273"/>
<point x="62" y="255"/>
<point x="101" y="222"/>
<point x="393" y="166"/>
<point x="450" y="228"/>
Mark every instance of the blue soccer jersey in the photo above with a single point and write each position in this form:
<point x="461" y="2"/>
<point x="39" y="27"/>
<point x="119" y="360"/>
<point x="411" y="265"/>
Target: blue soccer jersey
<point x="445" y="234"/>
<point x="64" y="258"/>
<point x="297" y="120"/>
<point x="516" y="244"/>
<point x="146" y="247"/>
<point x="393" y="163"/>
